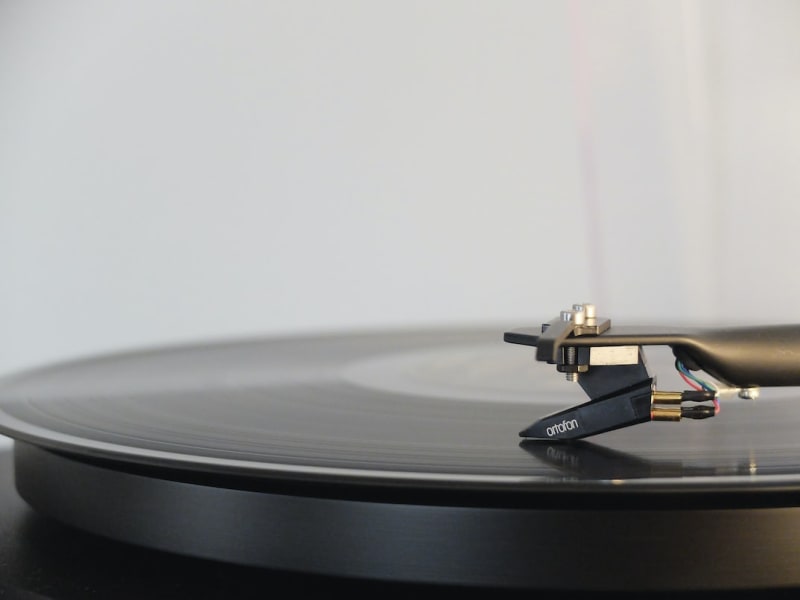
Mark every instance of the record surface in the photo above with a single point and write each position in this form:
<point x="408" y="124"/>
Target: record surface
<point x="422" y="408"/>
<point x="412" y="434"/>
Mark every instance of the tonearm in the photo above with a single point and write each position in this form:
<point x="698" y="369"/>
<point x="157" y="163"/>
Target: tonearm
<point x="609" y="365"/>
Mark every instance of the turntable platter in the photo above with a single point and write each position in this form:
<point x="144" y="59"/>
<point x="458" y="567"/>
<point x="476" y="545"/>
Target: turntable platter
<point x="414" y="434"/>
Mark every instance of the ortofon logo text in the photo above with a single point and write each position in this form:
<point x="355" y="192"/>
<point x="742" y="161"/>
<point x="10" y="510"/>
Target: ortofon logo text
<point x="562" y="427"/>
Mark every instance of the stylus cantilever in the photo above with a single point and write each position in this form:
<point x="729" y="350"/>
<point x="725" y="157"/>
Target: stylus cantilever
<point x="609" y="364"/>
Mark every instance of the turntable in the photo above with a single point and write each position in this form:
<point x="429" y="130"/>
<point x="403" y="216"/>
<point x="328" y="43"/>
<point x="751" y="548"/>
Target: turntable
<point x="400" y="459"/>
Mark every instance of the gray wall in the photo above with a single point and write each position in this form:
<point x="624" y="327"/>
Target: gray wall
<point x="181" y="170"/>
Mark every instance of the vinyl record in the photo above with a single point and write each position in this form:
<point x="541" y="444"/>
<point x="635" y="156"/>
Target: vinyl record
<point x="295" y="453"/>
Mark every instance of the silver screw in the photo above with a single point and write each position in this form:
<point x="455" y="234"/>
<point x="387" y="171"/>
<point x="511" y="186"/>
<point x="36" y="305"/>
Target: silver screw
<point x="571" y="359"/>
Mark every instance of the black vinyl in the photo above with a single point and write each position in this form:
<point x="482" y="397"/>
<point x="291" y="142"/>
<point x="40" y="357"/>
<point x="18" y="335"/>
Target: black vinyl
<point x="393" y="459"/>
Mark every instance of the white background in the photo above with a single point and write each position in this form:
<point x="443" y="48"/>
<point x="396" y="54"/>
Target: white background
<point x="181" y="170"/>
